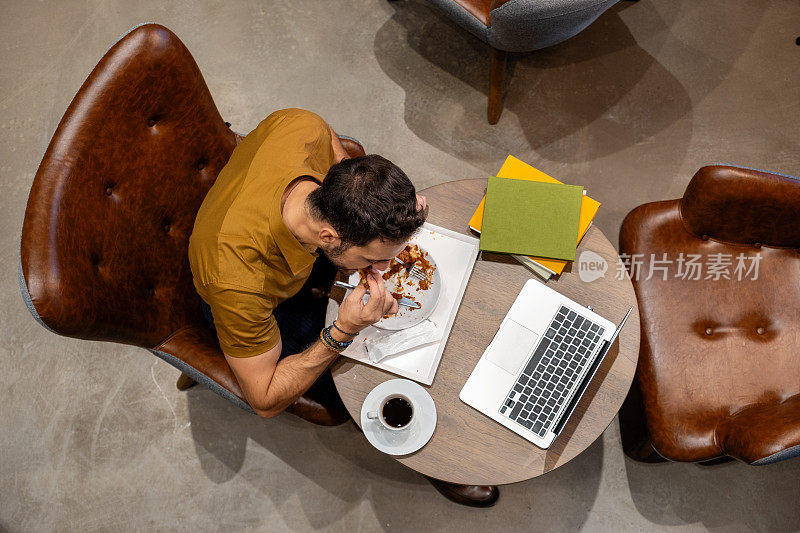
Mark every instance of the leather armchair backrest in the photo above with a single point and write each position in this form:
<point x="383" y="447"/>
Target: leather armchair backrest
<point x="737" y="205"/>
<point x="106" y="231"/>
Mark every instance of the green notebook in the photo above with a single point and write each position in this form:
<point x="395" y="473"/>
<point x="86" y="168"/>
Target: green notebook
<point x="531" y="218"/>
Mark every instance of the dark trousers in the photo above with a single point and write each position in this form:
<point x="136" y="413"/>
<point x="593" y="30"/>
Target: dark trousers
<point x="300" y="320"/>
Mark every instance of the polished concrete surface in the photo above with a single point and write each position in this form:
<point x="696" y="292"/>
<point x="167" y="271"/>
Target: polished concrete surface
<point x="94" y="436"/>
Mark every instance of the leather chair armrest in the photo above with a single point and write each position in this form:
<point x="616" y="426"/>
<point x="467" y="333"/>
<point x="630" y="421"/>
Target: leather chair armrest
<point x="195" y="351"/>
<point x="763" y="433"/>
<point x="351" y="146"/>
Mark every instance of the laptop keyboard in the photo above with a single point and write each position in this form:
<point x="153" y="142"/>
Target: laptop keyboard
<point x="552" y="370"/>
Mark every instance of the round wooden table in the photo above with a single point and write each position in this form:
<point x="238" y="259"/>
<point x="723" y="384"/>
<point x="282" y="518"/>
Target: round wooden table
<point x="468" y="447"/>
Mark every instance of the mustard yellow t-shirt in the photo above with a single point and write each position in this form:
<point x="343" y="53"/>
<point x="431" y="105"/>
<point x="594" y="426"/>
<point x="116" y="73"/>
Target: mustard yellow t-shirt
<point x="243" y="258"/>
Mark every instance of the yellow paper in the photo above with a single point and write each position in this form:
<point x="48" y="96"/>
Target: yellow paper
<point x="516" y="169"/>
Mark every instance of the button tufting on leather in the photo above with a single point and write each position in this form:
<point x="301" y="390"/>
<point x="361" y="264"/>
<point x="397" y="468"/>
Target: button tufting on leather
<point x="151" y="122"/>
<point x="760" y="331"/>
<point x="109" y="190"/>
<point x="166" y="228"/>
<point x="704" y="237"/>
<point x="201" y="165"/>
<point x="152" y="292"/>
<point x="757" y="245"/>
<point x="709" y="331"/>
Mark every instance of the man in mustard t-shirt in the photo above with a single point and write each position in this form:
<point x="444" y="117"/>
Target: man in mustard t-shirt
<point x="287" y="210"/>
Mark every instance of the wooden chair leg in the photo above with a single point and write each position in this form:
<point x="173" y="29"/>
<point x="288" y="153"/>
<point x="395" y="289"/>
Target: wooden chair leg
<point x="497" y="76"/>
<point x="185" y="382"/>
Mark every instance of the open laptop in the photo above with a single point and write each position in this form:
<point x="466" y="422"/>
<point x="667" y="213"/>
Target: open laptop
<point x="540" y="362"/>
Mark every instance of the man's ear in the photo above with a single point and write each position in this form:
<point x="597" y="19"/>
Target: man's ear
<point x="329" y="236"/>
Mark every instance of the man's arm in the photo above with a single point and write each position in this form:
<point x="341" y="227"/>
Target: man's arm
<point x="270" y="386"/>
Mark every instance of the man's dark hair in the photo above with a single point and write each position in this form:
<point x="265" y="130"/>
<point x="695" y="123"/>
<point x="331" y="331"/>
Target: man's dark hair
<point x="366" y="198"/>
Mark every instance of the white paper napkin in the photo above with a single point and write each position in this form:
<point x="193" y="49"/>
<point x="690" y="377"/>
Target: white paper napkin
<point x="385" y="343"/>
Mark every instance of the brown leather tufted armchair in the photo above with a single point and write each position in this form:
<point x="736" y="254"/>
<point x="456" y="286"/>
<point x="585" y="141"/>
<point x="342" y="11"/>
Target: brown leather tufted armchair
<point x="719" y="371"/>
<point x="104" y="243"/>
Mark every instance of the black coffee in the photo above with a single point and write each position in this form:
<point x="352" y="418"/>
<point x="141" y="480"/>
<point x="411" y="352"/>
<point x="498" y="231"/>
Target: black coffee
<point x="397" y="412"/>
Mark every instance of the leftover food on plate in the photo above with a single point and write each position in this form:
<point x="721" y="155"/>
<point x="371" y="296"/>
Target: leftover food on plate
<point x="398" y="278"/>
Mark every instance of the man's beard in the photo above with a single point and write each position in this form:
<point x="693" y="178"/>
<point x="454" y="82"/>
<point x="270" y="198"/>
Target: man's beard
<point x="333" y="253"/>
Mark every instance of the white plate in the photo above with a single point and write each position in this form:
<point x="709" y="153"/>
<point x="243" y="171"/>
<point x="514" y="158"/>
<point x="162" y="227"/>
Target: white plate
<point x="455" y="259"/>
<point x="404" y="441"/>
<point x="406" y="317"/>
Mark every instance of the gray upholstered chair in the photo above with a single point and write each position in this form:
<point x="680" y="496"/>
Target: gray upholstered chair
<point x="519" y="26"/>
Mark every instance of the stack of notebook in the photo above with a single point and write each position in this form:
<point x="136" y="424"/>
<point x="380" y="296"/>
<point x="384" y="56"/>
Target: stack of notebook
<point x="533" y="217"/>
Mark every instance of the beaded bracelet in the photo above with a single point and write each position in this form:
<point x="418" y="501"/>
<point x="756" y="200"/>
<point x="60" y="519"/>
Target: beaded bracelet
<point x="331" y="343"/>
<point x="327" y="344"/>
<point x="329" y="337"/>
<point x="343" y="331"/>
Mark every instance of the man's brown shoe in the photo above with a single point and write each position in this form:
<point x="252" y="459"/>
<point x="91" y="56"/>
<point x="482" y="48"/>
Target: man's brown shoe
<point x="471" y="495"/>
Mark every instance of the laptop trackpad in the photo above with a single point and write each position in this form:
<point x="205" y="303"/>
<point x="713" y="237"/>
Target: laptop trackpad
<point x="511" y="346"/>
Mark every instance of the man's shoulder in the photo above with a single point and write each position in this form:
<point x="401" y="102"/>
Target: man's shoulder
<point x="235" y="260"/>
<point x="290" y="120"/>
<point x="241" y="261"/>
<point x="296" y="113"/>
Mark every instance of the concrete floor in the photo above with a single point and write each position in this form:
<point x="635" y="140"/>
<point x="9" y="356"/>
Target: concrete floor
<point x="95" y="436"/>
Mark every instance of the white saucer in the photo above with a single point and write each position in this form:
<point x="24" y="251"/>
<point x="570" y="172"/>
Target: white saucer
<point x="404" y="441"/>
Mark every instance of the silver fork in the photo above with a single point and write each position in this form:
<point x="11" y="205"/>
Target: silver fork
<point x="413" y="270"/>
<point x="417" y="272"/>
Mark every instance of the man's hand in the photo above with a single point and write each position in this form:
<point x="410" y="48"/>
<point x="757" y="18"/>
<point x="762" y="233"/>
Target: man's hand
<point x="355" y="314"/>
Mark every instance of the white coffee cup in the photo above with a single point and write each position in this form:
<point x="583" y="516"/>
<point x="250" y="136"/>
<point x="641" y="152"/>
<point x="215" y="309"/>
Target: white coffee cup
<point x="396" y="412"/>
